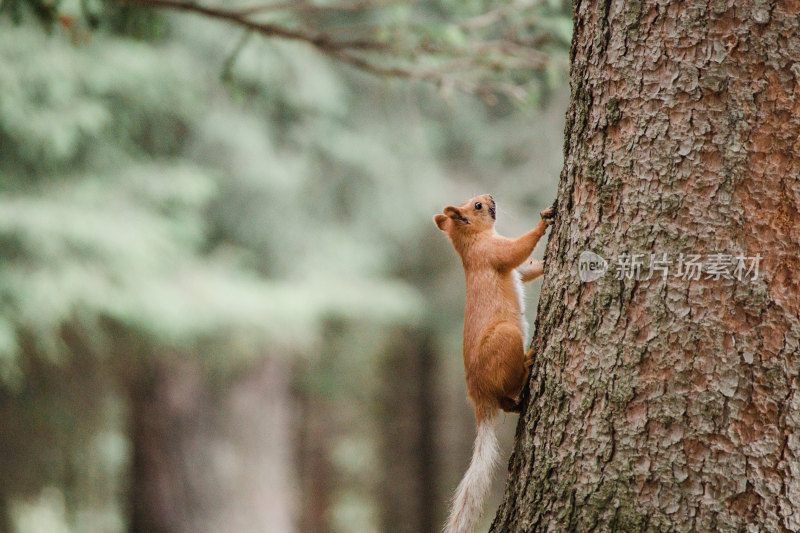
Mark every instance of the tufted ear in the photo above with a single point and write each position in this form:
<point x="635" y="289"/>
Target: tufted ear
<point x="453" y="212"/>
<point x="441" y="222"/>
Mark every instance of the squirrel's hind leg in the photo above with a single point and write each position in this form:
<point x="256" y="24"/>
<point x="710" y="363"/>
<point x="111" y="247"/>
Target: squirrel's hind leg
<point x="503" y="365"/>
<point x="514" y="405"/>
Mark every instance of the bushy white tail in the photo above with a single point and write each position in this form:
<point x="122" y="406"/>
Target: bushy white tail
<point x="468" y="500"/>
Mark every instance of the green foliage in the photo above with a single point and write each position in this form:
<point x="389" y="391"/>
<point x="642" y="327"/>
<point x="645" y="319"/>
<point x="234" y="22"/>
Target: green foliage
<point x="170" y="186"/>
<point x="117" y="224"/>
<point x="116" y="212"/>
<point x="489" y="48"/>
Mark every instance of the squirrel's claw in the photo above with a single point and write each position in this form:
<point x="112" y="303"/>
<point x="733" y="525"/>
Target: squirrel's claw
<point x="549" y="214"/>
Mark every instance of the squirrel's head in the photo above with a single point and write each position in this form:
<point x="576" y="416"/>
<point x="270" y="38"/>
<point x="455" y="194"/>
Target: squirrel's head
<point x="473" y="216"/>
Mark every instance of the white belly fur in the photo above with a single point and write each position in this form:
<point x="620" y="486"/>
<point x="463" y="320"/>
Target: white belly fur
<point x="523" y="324"/>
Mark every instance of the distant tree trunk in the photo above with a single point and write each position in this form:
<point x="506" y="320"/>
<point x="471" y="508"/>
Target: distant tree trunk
<point x="317" y="474"/>
<point x="671" y="404"/>
<point x="166" y="410"/>
<point x="409" y="448"/>
<point x="5" y="517"/>
<point x="211" y="457"/>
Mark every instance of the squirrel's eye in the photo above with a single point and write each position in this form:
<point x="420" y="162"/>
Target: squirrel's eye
<point x="478" y="205"/>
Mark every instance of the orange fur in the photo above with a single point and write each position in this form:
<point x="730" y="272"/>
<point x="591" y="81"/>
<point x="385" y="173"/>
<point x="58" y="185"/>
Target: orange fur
<point x="495" y="363"/>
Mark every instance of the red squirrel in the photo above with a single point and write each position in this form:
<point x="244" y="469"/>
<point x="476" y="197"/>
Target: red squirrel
<point x="495" y="363"/>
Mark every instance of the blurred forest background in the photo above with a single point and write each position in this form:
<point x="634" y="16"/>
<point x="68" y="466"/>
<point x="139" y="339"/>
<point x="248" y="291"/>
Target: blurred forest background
<point x="224" y="305"/>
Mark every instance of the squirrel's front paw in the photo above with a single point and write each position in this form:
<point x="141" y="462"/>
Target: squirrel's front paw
<point x="549" y="214"/>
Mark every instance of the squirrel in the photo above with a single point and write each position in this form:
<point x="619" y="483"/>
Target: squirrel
<point x="495" y="362"/>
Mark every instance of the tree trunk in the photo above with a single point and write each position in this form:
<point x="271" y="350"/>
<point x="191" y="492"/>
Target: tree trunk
<point x="211" y="457"/>
<point x="5" y="515"/>
<point x="408" y="445"/>
<point x="661" y="402"/>
<point x="166" y="410"/>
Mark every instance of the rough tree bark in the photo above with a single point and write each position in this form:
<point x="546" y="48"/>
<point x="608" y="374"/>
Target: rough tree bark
<point x="670" y="404"/>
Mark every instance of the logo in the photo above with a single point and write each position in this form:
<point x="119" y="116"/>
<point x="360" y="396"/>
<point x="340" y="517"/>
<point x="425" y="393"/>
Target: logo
<point x="591" y="266"/>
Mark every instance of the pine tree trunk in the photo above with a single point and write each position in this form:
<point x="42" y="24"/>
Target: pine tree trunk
<point x="166" y="410"/>
<point x="669" y="403"/>
<point x="408" y="446"/>
<point x="212" y="455"/>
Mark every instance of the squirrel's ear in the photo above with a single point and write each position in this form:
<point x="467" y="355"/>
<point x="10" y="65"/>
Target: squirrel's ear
<point x="441" y="222"/>
<point x="452" y="212"/>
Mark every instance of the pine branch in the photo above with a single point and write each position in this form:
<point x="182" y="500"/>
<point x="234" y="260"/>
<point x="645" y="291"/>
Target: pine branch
<point x="241" y="18"/>
<point x="472" y="67"/>
<point x="306" y="7"/>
